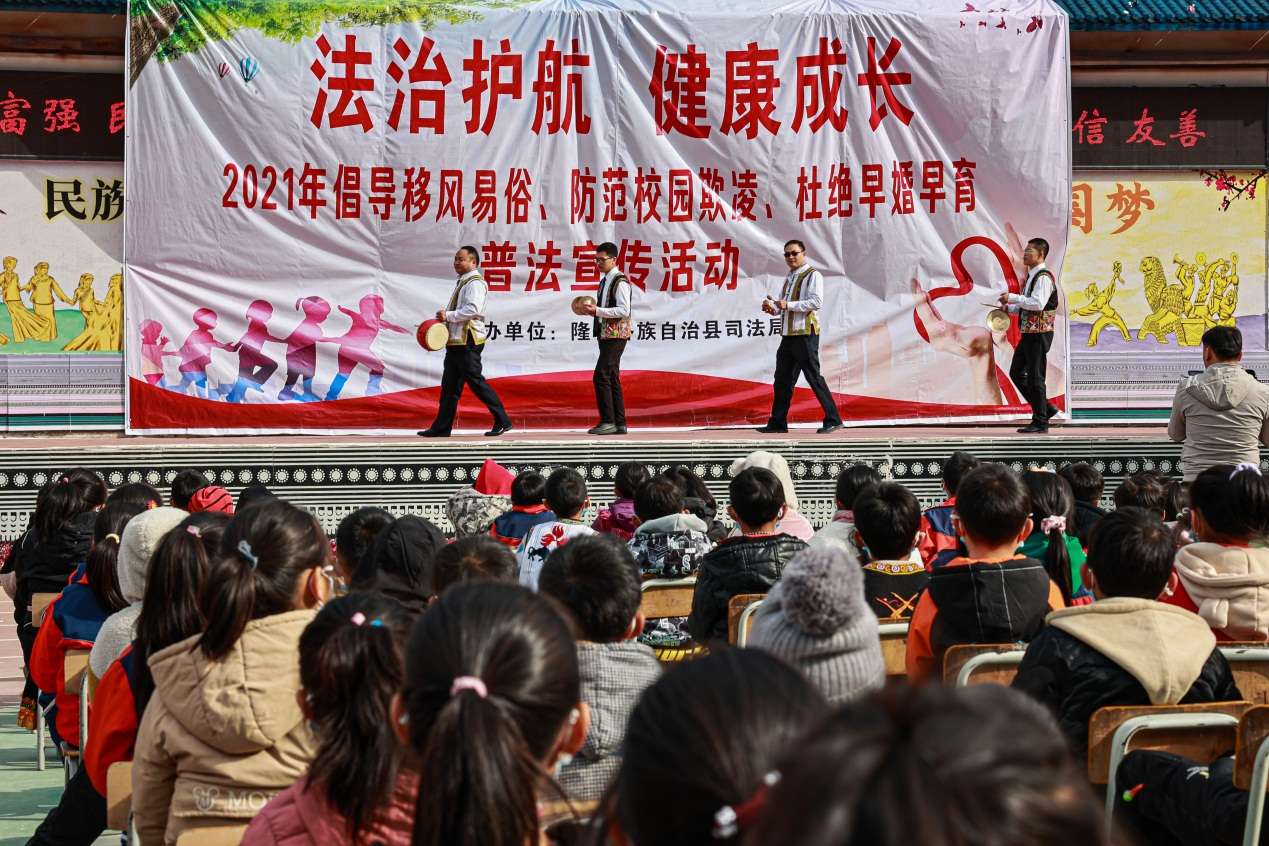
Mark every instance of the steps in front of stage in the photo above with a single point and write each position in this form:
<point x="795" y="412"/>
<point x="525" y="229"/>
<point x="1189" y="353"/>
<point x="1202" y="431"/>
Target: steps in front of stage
<point x="332" y="475"/>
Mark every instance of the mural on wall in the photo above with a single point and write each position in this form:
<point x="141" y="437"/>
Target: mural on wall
<point x="1155" y="261"/>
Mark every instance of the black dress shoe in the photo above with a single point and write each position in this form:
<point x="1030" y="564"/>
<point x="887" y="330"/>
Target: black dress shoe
<point x="498" y="430"/>
<point x="1050" y="410"/>
<point x="773" y="430"/>
<point x="602" y="429"/>
<point x="620" y="430"/>
<point x="828" y="428"/>
<point x="433" y="433"/>
<point x="1033" y="429"/>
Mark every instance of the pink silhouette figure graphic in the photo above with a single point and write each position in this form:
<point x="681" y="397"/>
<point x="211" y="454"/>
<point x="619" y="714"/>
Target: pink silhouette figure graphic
<point x="196" y="353"/>
<point x="354" y="345"/>
<point x="254" y="367"/>
<point x="301" y="349"/>
<point x="153" y="342"/>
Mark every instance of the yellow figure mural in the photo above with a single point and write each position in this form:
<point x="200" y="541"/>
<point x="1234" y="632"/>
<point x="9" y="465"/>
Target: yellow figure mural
<point x="1225" y="293"/>
<point x="43" y="288"/>
<point x="96" y="335"/>
<point x="1168" y="303"/>
<point x="113" y="312"/>
<point x="26" y="324"/>
<point x="1099" y="302"/>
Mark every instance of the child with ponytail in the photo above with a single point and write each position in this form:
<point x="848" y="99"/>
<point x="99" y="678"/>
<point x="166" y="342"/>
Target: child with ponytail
<point x="1053" y="541"/>
<point x="169" y="613"/>
<point x="356" y="791"/>
<point x="223" y="731"/>
<point x="491" y="706"/>
<point x="1224" y="576"/>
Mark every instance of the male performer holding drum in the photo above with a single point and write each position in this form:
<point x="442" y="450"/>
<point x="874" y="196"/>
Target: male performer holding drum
<point x="800" y="297"/>
<point x="465" y="318"/>
<point x="611" y="311"/>
<point x="1036" y="308"/>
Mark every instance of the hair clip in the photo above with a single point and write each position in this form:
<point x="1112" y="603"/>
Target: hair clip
<point x="1053" y="521"/>
<point x="376" y="623"/>
<point x="728" y="820"/>
<point x="111" y="536"/>
<point x="244" y="549"/>
<point x="1246" y="465"/>
<point x="195" y="531"/>
<point x="65" y="480"/>
<point x="358" y="618"/>
<point x="472" y="683"/>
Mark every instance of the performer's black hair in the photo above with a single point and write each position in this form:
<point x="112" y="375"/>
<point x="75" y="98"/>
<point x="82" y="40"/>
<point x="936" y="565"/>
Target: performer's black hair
<point x="1041" y="245"/>
<point x="608" y="248"/>
<point x="471" y="251"/>
<point x="789" y="243"/>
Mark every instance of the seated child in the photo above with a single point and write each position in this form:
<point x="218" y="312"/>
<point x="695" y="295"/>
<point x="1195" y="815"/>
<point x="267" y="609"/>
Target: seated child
<point x="749" y="562"/>
<point x="1052" y="512"/>
<point x="598" y="581"/>
<point x="992" y="595"/>
<point x="938" y="537"/>
<point x="567" y="497"/>
<point x="840" y="532"/>
<point x="669" y="543"/>
<point x="792" y="522"/>
<point x="474" y="558"/>
<point x="1087" y="485"/>
<point x="888" y="518"/>
<point x="1125" y="648"/>
<point x="1143" y="490"/>
<point x="619" y="518"/>
<point x="528" y="489"/>
<point x="1224" y="577"/>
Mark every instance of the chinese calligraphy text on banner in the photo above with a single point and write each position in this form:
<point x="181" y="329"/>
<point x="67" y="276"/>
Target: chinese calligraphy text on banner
<point x="1154" y="262"/>
<point x="298" y="188"/>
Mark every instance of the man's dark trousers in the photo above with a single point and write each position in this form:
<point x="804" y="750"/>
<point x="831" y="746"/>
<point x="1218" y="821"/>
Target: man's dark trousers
<point x="462" y="367"/>
<point x="608" y="396"/>
<point x="1027" y="372"/>
<point x="800" y="354"/>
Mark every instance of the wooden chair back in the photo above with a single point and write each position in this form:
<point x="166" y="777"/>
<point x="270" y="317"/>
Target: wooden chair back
<point x="1253" y="730"/>
<point x="75" y="668"/>
<point x="958" y="656"/>
<point x="894" y="648"/>
<point x="1249" y="662"/>
<point x="1199" y="744"/>
<point x="735" y="607"/>
<point x="667" y="597"/>
<point x="212" y="835"/>
<point x="39" y="604"/>
<point x="118" y="795"/>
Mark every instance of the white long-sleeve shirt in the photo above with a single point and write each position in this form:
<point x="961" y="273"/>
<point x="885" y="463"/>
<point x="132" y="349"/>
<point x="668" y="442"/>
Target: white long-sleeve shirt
<point x="469" y="310"/>
<point x="798" y="311"/>
<point x="621" y="301"/>
<point x="1039" y="294"/>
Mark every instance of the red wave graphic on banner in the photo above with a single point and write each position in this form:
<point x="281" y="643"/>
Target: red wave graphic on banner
<point x="540" y="401"/>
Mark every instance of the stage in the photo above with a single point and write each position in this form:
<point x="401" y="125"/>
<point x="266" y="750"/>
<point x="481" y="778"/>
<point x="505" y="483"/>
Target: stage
<point x="333" y="475"/>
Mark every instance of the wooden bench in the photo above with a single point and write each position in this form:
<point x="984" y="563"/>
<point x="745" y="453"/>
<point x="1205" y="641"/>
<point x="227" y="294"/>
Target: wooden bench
<point x="119" y="795"/>
<point x="982" y="663"/>
<point x="75" y="671"/>
<point x="670" y="598"/>
<point x="894" y="648"/>
<point x="735" y="608"/>
<point x="1249" y="662"/>
<point x="1200" y="732"/>
<point x="1251" y="768"/>
<point x="39" y="605"/>
<point x="745" y="623"/>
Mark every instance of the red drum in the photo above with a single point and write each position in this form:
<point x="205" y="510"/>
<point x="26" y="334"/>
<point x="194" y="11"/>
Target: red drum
<point x="433" y="335"/>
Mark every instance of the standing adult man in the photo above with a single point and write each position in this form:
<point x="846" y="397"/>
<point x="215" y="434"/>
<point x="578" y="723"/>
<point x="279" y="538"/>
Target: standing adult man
<point x="1221" y="416"/>
<point x="801" y="297"/>
<point x="1036" y="308"/>
<point x="612" y="329"/>
<point x="465" y="318"/>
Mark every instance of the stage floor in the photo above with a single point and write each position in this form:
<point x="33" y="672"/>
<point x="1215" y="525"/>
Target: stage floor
<point x="332" y="475"/>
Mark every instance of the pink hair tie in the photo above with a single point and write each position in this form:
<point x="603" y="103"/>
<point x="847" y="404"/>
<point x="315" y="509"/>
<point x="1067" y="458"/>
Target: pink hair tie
<point x="1053" y="521"/>
<point x="358" y="618"/>
<point x="471" y="683"/>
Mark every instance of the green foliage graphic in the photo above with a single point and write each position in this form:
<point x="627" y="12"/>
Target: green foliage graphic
<point x="169" y="30"/>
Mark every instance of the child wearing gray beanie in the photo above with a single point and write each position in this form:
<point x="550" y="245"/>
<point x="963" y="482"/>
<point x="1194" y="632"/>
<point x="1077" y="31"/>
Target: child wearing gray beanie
<point x="818" y="620"/>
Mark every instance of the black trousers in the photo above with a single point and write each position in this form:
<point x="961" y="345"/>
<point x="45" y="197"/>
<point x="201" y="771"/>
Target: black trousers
<point x="79" y="818"/>
<point x="1179" y="804"/>
<point x="800" y="354"/>
<point x="462" y="367"/>
<point x="607" y="379"/>
<point x="1027" y="372"/>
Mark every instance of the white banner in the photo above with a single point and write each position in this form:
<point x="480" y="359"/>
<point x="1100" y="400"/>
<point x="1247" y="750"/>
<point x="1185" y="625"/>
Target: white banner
<point x="274" y="157"/>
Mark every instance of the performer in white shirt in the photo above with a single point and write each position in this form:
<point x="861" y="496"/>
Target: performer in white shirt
<point x="612" y="330"/>
<point x="801" y="297"/>
<point x="1036" y="308"/>
<point x="465" y="318"/>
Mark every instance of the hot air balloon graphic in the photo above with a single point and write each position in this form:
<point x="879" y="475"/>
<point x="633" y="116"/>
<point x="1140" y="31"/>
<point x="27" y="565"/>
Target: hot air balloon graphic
<point x="223" y="70"/>
<point x="249" y="68"/>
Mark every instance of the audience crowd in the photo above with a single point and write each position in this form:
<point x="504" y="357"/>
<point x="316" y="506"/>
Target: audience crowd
<point x="503" y="687"/>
